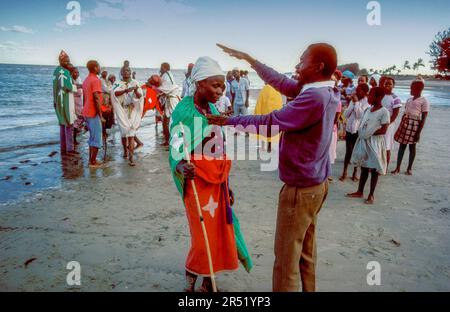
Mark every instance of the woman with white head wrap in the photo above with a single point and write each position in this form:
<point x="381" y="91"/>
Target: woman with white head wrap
<point x="210" y="171"/>
<point x="374" y="80"/>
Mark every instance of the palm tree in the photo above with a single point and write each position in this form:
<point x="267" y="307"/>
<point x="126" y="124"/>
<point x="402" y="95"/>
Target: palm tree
<point x="406" y="65"/>
<point x="418" y="64"/>
<point x="393" y="68"/>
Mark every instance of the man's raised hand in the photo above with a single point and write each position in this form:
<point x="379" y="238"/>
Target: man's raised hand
<point x="237" y="54"/>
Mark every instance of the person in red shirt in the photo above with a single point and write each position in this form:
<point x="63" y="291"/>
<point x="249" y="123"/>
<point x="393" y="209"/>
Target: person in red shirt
<point x="151" y="98"/>
<point x="92" y="92"/>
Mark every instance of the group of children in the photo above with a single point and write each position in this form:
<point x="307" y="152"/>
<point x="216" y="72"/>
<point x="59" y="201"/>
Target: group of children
<point x="370" y="125"/>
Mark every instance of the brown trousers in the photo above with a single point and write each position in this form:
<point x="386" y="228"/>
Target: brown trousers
<point x="295" y="241"/>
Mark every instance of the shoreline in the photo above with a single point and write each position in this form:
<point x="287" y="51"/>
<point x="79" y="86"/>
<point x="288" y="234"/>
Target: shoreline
<point x="128" y="230"/>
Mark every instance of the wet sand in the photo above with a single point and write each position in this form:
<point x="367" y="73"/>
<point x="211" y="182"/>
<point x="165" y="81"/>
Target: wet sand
<point x="127" y="227"/>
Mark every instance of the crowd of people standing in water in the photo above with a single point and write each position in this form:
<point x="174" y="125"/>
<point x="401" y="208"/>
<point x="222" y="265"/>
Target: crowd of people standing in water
<point x="102" y="101"/>
<point x="321" y="101"/>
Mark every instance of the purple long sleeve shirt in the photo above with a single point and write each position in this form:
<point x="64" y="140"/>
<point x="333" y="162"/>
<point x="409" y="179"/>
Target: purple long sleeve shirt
<point x="307" y="123"/>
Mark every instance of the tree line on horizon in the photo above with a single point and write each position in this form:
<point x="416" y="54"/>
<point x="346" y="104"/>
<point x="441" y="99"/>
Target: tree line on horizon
<point x="439" y="52"/>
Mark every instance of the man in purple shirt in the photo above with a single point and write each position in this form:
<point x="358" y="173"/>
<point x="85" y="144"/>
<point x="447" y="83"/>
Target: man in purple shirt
<point x="307" y="125"/>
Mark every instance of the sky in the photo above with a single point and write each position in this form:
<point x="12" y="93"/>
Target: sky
<point x="149" y="32"/>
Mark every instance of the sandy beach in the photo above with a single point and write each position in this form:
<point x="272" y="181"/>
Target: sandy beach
<point x="127" y="226"/>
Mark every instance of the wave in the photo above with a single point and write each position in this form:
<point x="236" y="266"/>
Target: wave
<point x="22" y="114"/>
<point x="28" y="146"/>
<point x="37" y="125"/>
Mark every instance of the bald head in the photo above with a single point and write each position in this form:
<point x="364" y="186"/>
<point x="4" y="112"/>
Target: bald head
<point x="318" y="63"/>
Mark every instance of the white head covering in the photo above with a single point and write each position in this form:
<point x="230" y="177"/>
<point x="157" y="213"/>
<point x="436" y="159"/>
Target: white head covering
<point x="204" y="68"/>
<point x="375" y="77"/>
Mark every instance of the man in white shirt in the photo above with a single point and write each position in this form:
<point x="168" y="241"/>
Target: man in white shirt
<point x="169" y="98"/>
<point x="188" y="85"/>
<point x="240" y="92"/>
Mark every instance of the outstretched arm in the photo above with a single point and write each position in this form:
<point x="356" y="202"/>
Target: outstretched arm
<point x="288" y="87"/>
<point x="299" y="114"/>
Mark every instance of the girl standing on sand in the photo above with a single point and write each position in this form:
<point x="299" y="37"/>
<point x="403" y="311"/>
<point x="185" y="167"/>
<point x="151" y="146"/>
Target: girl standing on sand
<point x="413" y="120"/>
<point x="353" y="114"/>
<point x="393" y="104"/>
<point x="370" y="148"/>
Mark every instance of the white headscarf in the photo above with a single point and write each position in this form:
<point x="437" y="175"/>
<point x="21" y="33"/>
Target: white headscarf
<point x="375" y="77"/>
<point x="204" y="68"/>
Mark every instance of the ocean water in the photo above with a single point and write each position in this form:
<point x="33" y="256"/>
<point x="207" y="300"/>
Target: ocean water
<point x="29" y="129"/>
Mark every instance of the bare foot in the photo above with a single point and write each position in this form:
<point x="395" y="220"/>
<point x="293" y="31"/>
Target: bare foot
<point x="395" y="172"/>
<point x="370" y="200"/>
<point x="355" y="195"/>
<point x="207" y="289"/>
<point x="330" y="179"/>
<point x="131" y="163"/>
<point x="138" y="147"/>
<point x="343" y="178"/>
<point x="408" y="172"/>
<point x="355" y="179"/>
<point x="96" y="165"/>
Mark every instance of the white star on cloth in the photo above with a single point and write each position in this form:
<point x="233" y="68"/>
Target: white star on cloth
<point x="211" y="207"/>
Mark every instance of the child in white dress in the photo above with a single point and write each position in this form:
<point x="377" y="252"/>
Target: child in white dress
<point x="370" y="149"/>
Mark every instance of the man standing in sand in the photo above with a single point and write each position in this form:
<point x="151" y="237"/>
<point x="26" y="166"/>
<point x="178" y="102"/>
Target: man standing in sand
<point x="307" y="125"/>
<point x="92" y="92"/>
<point x="64" y="104"/>
<point x="240" y="92"/>
<point x="188" y="85"/>
<point x="168" y="99"/>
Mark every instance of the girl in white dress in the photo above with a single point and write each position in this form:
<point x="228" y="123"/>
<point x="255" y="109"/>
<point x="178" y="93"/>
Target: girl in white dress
<point x="370" y="149"/>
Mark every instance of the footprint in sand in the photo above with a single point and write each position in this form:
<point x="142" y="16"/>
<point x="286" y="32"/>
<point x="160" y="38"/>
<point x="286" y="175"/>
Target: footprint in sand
<point x="344" y="254"/>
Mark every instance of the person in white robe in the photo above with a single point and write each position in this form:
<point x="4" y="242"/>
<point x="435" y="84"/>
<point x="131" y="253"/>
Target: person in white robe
<point x="128" y="102"/>
<point x="169" y="98"/>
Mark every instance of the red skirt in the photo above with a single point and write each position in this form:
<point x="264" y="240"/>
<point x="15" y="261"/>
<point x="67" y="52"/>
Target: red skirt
<point x="407" y="130"/>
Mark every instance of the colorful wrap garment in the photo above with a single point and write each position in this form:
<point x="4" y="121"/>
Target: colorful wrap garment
<point x="224" y="234"/>
<point x="63" y="89"/>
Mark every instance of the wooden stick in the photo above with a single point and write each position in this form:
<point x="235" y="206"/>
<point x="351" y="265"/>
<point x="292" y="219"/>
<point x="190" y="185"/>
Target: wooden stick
<point x="202" y="221"/>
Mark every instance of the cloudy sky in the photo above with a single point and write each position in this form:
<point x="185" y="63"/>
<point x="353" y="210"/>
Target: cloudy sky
<point x="148" y="32"/>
